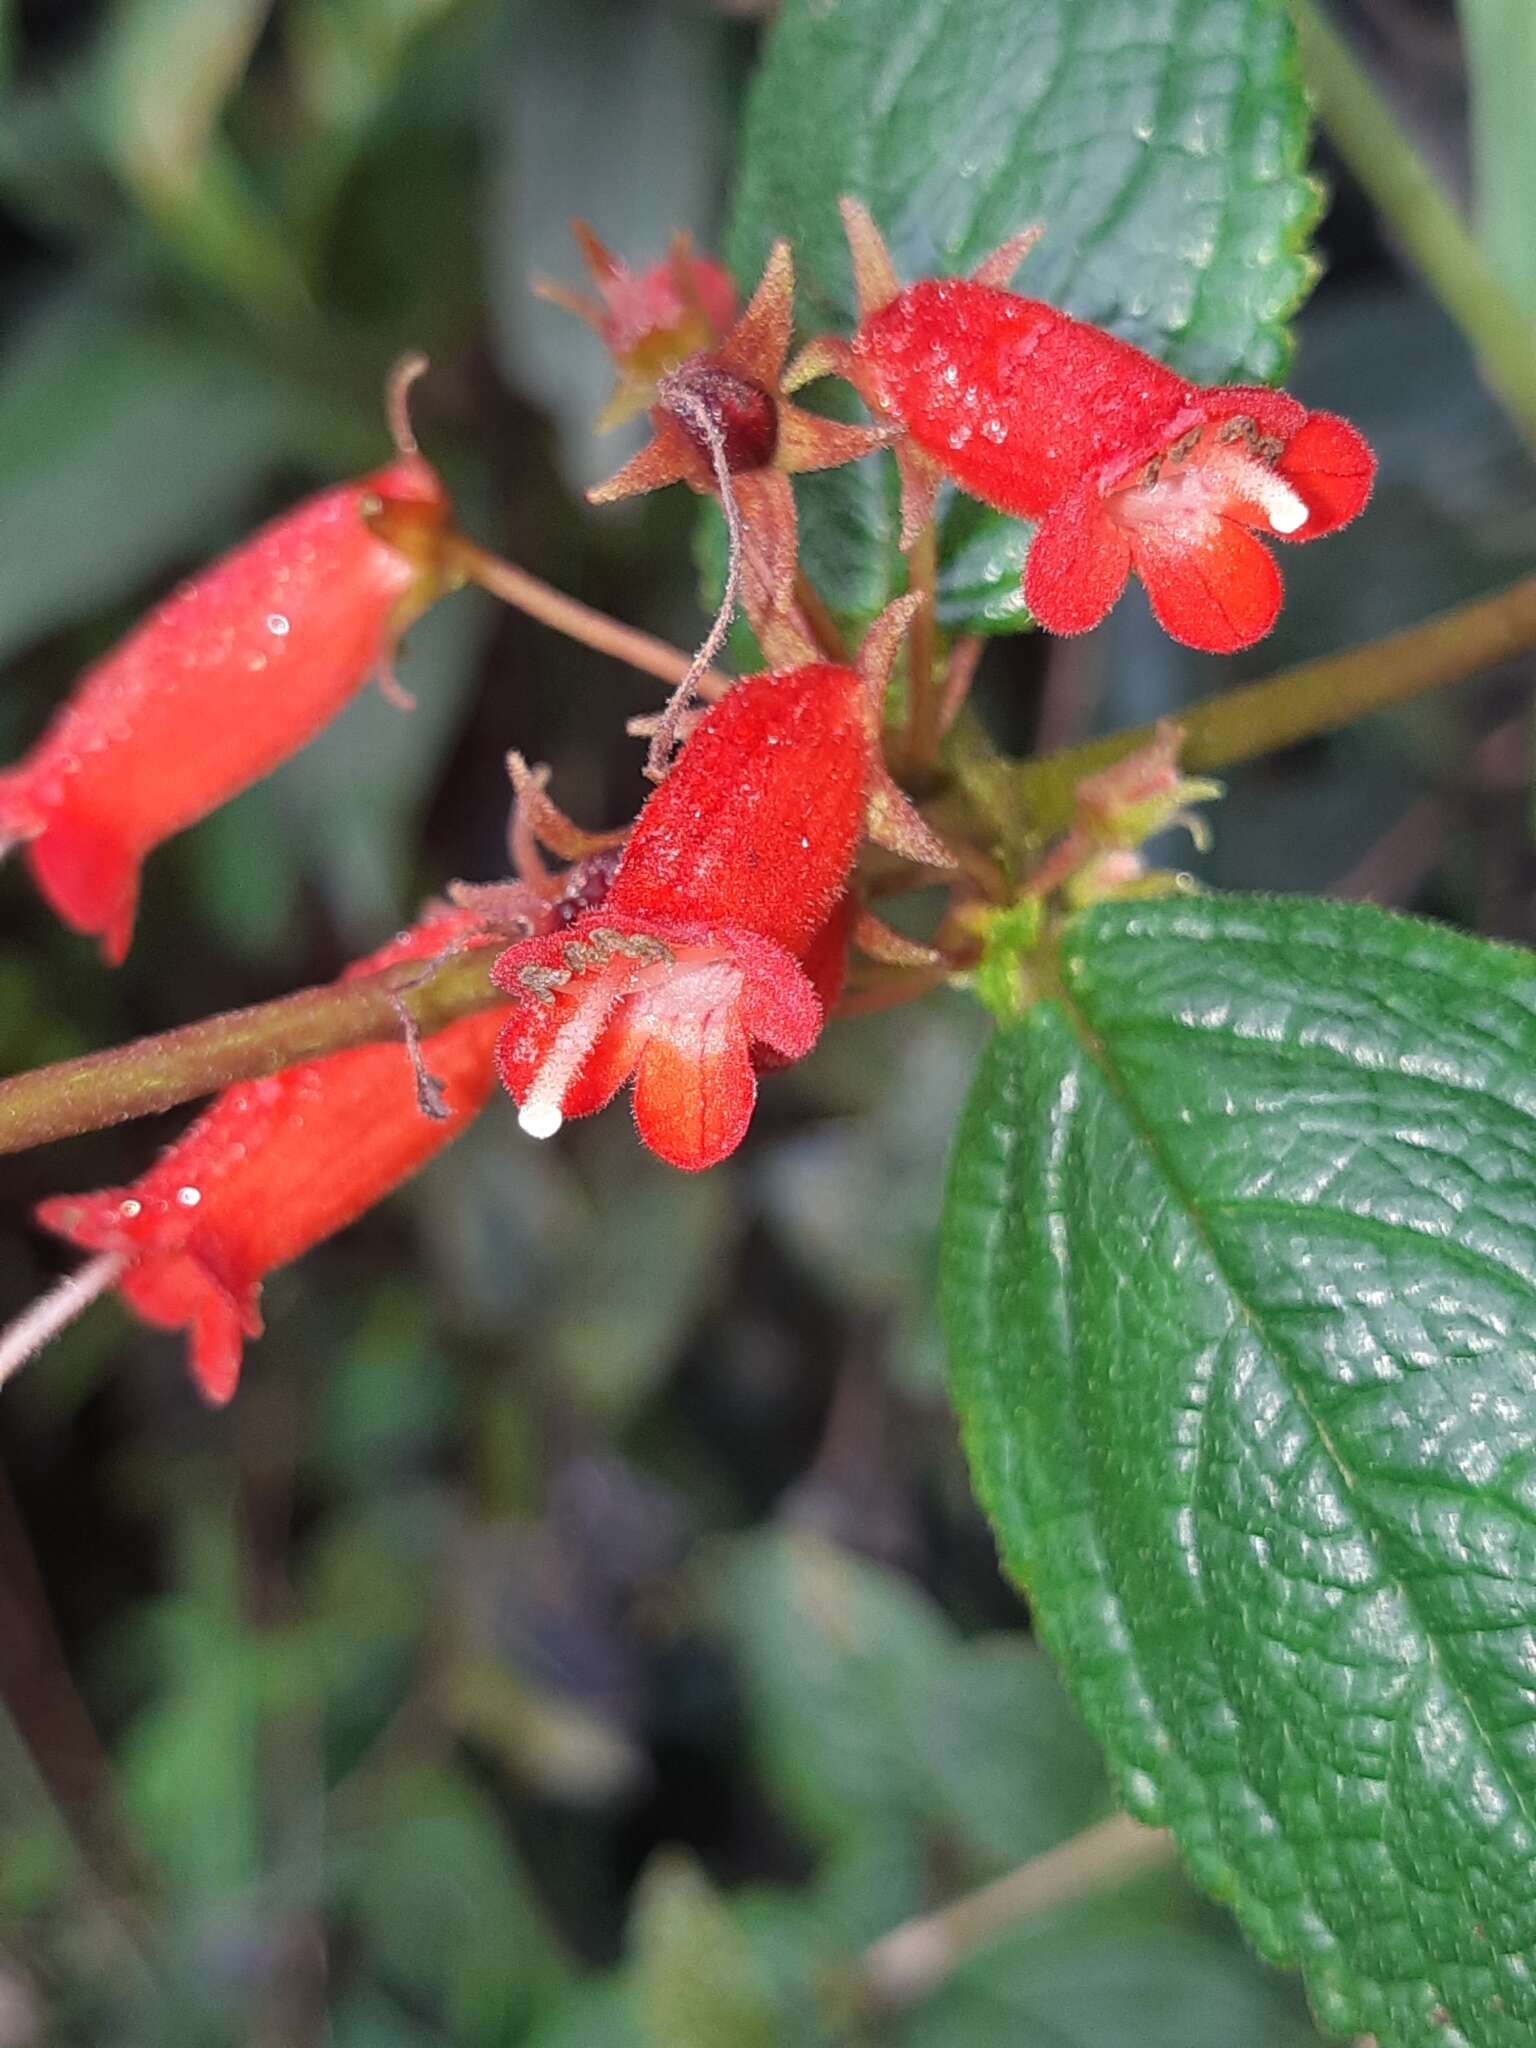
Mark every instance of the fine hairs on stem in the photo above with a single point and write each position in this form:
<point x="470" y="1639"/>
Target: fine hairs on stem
<point x="56" y="1310"/>
<point x="677" y="398"/>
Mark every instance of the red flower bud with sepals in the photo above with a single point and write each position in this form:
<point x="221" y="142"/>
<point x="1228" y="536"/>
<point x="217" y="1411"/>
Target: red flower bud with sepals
<point x="648" y="320"/>
<point x="722" y="423"/>
<point x="234" y="672"/>
<point x="274" y="1166"/>
<point x="1123" y="465"/>
<point x="731" y="888"/>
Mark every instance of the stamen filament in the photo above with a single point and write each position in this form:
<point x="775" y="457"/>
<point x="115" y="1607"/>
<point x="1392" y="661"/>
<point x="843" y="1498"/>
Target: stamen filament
<point x="541" y="1113"/>
<point x="56" y="1310"/>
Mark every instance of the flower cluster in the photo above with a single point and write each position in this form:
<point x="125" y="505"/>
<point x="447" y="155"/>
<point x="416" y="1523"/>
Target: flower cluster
<point x="708" y="941"/>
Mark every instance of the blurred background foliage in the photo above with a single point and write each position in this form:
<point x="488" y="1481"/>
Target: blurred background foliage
<point x="578" y="1633"/>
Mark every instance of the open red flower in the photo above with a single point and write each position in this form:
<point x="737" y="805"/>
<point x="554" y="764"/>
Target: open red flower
<point x="648" y="320"/>
<point x="274" y="1166"/>
<point x="726" y="925"/>
<point x="1124" y="466"/>
<point x="233" y="673"/>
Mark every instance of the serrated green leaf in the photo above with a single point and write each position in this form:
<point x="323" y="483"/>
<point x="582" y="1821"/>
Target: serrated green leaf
<point x="1161" y="144"/>
<point x="1240" y="1252"/>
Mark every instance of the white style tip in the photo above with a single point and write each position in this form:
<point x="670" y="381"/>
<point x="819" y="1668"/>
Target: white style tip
<point x="1284" y="508"/>
<point x="539" y="1119"/>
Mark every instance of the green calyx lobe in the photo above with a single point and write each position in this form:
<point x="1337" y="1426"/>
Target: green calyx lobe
<point x="1240" y="1291"/>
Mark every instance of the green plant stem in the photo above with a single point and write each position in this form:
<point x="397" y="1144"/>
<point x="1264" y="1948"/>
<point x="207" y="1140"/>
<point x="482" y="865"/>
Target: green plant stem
<point x="1027" y="802"/>
<point x="1371" y="141"/>
<point x="103" y="1088"/>
<point x="912" y="1961"/>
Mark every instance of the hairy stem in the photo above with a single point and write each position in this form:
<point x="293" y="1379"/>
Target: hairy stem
<point x="911" y="1962"/>
<point x="1028" y="801"/>
<point x="580" y="621"/>
<point x="824" y="628"/>
<point x="103" y="1088"/>
<point x="924" y="692"/>
<point x="1371" y="141"/>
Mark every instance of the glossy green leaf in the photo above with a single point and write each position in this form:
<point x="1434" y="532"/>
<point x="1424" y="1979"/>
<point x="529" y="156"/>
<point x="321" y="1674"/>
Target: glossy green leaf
<point x="1240" y="1255"/>
<point x="1161" y="144"/>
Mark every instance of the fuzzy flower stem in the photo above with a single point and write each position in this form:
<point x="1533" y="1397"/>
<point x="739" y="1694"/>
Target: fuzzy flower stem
<point x="1030" y="801"/>
<point x="924" y="692"/>
<point x="824" y="628"/>
<point x="1371" y="141"/>
<point x="580" y="622"/>
<point x="151" y="1074"/>
<point x="702" y="420"/>
<point x="55" y="1311"/>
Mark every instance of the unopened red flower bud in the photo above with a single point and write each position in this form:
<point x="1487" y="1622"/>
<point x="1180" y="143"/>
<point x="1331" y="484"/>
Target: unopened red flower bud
<point x="234" y="672"/>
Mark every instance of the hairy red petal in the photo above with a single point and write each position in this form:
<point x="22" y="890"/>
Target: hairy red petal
<point x="231" y="675"/>
<point x="1333" y="469"/>
<point x="1218" y="591"/>
<point x="1077" y="565"/>
<point x="694" y="1094"/>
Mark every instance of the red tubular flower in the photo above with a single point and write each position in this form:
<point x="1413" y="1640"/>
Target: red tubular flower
<point x="234" y="672"/>
<point x="648" y="320"/>
<point x="274" y="1166"/>
<point x="1123" y="465"/>
<point x="726" y="914"/>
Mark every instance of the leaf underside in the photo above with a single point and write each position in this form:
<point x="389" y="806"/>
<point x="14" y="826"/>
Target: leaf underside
<point x="1240" y="1272"/>
<point x="1160" y="143"/>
